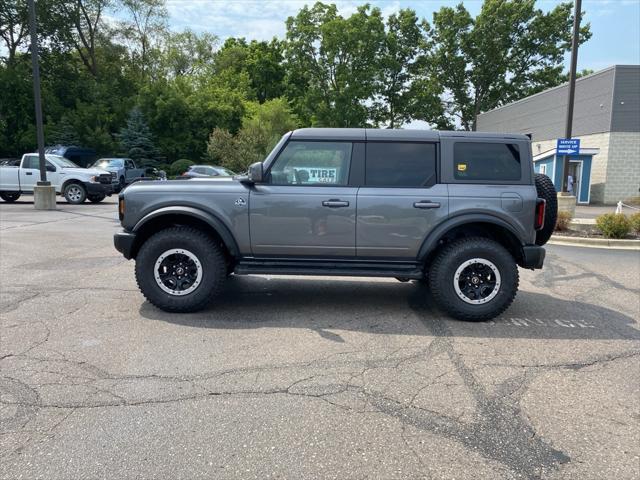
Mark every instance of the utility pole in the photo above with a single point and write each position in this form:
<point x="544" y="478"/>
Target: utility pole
<point x="43" y="192"/>
<point x="577" y="13"/>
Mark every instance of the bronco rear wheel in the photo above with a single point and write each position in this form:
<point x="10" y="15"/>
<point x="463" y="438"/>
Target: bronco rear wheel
<point x="474" y="279"/>
<point x="180" y="269"/>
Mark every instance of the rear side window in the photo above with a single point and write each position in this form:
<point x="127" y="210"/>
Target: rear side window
<point x="486" y="161"/>
<point x="400" y="164"/>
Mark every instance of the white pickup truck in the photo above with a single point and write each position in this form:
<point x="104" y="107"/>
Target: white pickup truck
<point x="75" y="183"/>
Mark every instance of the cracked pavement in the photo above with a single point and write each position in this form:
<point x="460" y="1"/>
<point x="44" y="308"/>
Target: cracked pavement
<point x="307" y="377"/>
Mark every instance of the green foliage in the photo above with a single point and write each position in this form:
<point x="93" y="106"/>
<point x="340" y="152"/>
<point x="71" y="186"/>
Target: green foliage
<point x="179" y="167"/>
<point x="332" y="63"/>
<point x="613" y="225"/>
<point x="100" y="59"/>
<point x="563" y="220"/>
<point x="261" y="129"/>
<point x="635" y="223"/>
<point x="509" y="51"/>
<point x="135" y="139"/>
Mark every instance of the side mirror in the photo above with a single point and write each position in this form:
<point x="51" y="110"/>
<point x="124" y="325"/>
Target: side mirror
<point x="256" y="172"/>
<point x="50" y="168"/>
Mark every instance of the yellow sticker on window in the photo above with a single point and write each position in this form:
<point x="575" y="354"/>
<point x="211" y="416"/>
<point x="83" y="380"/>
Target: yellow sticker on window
<point x="462" y="167"/>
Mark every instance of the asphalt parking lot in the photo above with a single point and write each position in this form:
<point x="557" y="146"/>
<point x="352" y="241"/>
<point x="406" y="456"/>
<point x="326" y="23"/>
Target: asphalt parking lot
<point x="307" y="377"/>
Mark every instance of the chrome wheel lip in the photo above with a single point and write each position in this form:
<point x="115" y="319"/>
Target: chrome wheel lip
<point x="467" y="263"/>
<point x="192" y="257"/>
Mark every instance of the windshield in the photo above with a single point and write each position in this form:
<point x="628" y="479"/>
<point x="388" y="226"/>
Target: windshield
<point x="61" y="161"/>
<point x="108" y="162"/>
<point x="224" y="172"/>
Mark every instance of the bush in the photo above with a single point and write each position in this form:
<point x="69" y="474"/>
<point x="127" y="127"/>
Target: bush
<point x="563" y="221"/>
<point x="180" y="166"/>
<point x="613" y="225"/>
<point x="635" y="222"/>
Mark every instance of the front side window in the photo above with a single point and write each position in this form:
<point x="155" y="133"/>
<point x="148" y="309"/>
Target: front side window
<point x="31" y="161"/>
<point x="312" y="163"/>
<point x="486" y="161"/>
<point x="400" y="164"/>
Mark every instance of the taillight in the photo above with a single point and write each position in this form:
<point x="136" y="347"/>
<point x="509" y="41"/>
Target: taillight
<point x="541" y="205"/>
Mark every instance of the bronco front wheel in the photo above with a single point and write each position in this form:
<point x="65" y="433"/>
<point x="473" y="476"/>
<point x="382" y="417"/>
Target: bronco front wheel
<point x="180" y="269"/>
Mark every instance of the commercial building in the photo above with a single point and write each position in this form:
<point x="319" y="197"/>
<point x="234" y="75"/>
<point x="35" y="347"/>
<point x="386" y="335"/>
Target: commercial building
<point x="606" y="120"/>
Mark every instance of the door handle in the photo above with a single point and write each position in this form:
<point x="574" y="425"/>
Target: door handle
<point x="28" y="173"/>
<point x="426" y="204"/>
<point x="335" y="203"/>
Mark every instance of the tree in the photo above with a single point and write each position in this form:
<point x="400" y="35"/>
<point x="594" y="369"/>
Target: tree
<point x="261" y="129"/>
<point x="63" y="133"/>
<point x="331" y="64"/>
<point x="400" y="92"/>
<point x="148" y="21"/>
<point x="86" y="18"/>
<point x="14" y="25"/>
<point x="188" y="53"/>
<point x="509" y="51"/>
<point x="135" y="139"/>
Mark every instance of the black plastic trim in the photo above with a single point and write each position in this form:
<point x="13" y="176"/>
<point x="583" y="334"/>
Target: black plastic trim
<point x="331" y="268"/>
<point x="431" y="242"/>
<point x="208" y="218"/>
<point x="533" y="257"/>
<point x="124" y="242"/>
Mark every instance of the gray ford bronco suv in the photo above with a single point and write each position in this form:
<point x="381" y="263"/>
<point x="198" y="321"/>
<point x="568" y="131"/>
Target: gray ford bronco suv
<point x="458" y="210"/>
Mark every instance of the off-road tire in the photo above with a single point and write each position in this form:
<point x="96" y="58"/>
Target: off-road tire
<point x="547" y="191"/>
<point x="9" y="197"/>
<point x="203" y="246"/>
<point x="453" y="255"/>
<point x="69" y="189"/>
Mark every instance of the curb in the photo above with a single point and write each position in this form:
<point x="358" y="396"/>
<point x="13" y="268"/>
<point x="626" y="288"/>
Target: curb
<point x="615" y="244"/>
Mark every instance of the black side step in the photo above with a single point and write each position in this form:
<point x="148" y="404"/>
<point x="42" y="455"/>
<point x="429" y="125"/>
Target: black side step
<point x="329" y="268"/>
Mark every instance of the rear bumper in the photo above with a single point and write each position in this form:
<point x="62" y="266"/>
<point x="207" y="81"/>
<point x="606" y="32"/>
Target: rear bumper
<point x="124" y="242"/>
<point x="533" y="257"/>
<point x="98" y="188"/>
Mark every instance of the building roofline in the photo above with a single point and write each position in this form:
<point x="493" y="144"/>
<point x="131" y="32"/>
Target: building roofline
<point x="599" y="72"/>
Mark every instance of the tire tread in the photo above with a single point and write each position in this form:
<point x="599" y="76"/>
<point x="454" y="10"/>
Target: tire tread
<point x="178" y="304"/>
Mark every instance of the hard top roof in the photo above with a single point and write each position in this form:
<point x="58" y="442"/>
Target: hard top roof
<point x="362" y="134"/>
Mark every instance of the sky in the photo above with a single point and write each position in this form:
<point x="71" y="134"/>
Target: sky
<point x="615" y="24"/>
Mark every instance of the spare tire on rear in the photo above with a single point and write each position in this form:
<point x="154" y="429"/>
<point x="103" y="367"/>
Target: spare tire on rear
<point x="547" y="191"/>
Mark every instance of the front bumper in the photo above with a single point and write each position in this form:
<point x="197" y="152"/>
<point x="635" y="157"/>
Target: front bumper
<point x="94" y="188"/>
<point x="124" y="242"/>
<point x="533" y="256"/>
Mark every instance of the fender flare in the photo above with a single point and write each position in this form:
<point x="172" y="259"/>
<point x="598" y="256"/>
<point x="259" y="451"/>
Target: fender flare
<point x="214" y="222"/>
<point x="67" y="181"/>
<point x="431" y="242"/>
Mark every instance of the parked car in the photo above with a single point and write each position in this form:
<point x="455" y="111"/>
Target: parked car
<point x="75" y="183"/>
<point x="205" y="171"/>
<point x="9" y="162"/>
<point x="81" y="156"/>
<point x="460" y="209"/>
<point x="123" y="170"/>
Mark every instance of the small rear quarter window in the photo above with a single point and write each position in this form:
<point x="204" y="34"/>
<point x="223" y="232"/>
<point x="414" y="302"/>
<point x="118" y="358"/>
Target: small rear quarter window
<point x="486" y="161"/>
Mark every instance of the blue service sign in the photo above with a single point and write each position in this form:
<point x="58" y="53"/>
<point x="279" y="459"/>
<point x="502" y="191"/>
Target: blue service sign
<point x="568" y="146"/>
